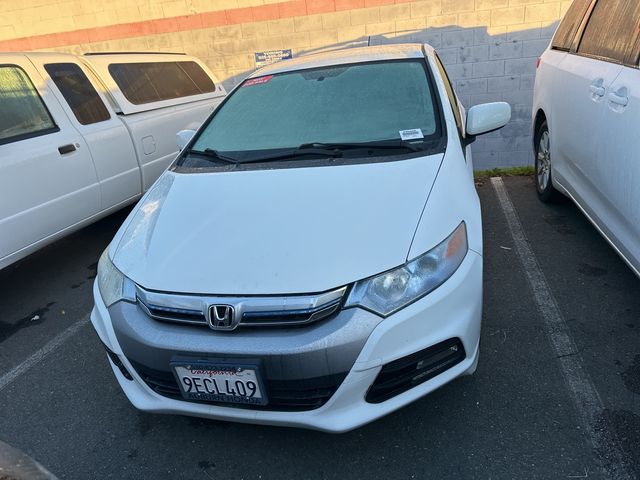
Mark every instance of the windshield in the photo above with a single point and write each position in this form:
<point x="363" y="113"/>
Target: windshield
<point x="332" y="107"/>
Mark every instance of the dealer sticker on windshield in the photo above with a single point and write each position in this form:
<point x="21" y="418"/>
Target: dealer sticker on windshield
<point x="412" y="134"/>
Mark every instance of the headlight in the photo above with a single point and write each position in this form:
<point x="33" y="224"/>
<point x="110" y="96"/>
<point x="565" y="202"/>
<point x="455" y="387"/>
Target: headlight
<point x="113" y="285"/>
<point x="388" y="292"/>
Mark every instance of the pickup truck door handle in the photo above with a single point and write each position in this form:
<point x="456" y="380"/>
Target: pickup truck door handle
<point x="67" y="149"/>
<point x="622" y="100"/>
<point x="597" y="90"/>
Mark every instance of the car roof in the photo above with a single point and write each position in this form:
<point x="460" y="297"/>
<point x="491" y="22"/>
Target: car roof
<point x="348" y="55"/>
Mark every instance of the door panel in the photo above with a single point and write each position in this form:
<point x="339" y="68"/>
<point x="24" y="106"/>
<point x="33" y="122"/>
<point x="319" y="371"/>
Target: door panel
<point x="109" y="142"/>
<point x="580" y="97"/>
<point x="618" y="167"/>
<point x="154" y="133"/>
<point x="43" y="191"/>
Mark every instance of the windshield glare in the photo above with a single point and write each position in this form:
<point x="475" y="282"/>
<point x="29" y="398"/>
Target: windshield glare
<point x="359" y="103"/>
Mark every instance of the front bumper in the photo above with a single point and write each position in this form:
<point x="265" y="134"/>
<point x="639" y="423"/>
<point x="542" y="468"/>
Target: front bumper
<point x="454" y="310"/>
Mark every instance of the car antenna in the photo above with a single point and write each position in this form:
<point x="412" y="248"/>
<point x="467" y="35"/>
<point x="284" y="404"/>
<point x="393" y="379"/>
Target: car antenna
<point x="369" y="41"/>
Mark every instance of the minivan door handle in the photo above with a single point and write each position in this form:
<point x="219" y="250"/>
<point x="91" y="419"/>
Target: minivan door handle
<point x="597" y="90"/>
<point x="622" y="100"/>
<point x="67" y="149"/>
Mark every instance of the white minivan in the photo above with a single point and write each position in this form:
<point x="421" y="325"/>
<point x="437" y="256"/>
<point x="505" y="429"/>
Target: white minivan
<point x="81" y="136"/>
<point x="313" y="257"/>
<point x="586" y="113"/>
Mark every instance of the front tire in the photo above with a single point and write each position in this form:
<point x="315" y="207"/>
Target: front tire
<point x="546" y="191"/>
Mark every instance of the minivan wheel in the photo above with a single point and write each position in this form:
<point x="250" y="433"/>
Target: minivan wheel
<point x="544" y="185"/>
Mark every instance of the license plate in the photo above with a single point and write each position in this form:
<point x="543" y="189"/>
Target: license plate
<point x="220" y="382"/>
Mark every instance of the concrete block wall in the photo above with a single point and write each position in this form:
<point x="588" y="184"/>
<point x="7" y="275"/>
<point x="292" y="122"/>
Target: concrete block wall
<point x="488" y="46"/>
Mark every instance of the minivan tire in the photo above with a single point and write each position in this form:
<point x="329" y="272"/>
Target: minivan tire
<point x="544" y="185"/>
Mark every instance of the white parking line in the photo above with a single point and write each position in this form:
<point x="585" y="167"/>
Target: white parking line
<point x="39" y="355"/>
<point x="582" y="389"/>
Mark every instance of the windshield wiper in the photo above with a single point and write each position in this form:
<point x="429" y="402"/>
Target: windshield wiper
<point x="382" y="145"/>
<point x="297" y="152"/>
<point x="212" y="154"/>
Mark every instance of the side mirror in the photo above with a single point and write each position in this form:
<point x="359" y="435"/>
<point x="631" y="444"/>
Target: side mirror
<point x="487" y="117"/>
<point x="183" y="137"/>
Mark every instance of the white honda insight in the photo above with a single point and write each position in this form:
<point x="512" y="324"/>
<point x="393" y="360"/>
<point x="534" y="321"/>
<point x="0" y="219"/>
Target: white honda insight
<point x="313" y="257"/>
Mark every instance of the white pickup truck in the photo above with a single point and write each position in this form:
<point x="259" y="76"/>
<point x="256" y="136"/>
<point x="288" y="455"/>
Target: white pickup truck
<point x="82" y="136"/>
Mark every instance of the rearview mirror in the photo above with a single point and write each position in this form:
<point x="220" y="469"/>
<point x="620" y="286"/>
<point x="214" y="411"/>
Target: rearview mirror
<point x="183" y="137"/>
<point x="487" y="117"/>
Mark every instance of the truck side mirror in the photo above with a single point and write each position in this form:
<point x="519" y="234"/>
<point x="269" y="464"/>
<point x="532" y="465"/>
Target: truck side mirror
<point x="183" y="137"/>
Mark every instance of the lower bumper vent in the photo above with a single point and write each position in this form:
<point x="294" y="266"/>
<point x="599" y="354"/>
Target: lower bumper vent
<point x="283" y="395"/>
<point x="407" y="372"/>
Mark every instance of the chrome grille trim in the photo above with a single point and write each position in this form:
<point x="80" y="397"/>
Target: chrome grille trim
<point x="254" y="311"/>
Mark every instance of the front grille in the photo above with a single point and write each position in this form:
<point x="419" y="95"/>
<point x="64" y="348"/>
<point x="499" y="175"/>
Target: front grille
<point x="273" y="311"/>
<point x="407" y="372"/>
<point x="283" y="395"/>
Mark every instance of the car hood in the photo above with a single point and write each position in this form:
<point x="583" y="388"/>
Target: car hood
<point x="274" y="231"/>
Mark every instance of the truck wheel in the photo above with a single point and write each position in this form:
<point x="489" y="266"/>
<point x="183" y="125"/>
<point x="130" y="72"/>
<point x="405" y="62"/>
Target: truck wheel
<point x="546" y="192"/>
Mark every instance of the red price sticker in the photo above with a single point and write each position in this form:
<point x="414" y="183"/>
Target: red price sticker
<point x="257" y="81"/>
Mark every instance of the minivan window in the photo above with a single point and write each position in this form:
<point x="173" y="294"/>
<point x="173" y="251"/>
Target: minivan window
<point x="156" y="81"/>
<point x="351" y="105"/>
<point x="569" y="25"/>
<point x="611" y="30"/>
<point x="24" y="114"/>
<point x="85" y="103"/>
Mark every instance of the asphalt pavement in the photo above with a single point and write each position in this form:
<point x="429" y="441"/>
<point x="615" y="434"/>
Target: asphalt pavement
<point x="524" y="414"/>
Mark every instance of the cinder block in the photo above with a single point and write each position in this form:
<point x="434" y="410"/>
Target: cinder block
<point x="456" y="6"/>
<point x="335" y="20"/>
<point x="471" y="86"/>
<point x="524" y="31"/>
<point x="478" y="98"/>
<point x="491" y="4"/>
<point x="442" y="21"/>
<point x="380" y="28"/>
<point x="507" y="16"/>
<point x="296" y="40"/>
<point x="366" y="16"/>
<point x="395" y="12"/>
<point x="503" y="84"/>
<point x="283" y="26"/>
<point x="431" y="37"/>
<point x="474" y="19"/>
<point x="518" y="97"/>
<point x="448" y="56"/>
<point x="412" y="24"/>
<point x="459" y="71"/>
<point x="255" y="29"/>
<point x="508" y="49"/>
<point x="324" y="38"/>
<point x="351" y="34"/>
<point x="527" y="82"/>
<point x="494" y="68"/>
<point x="310" y="23"/>
<point x="457" y="38"/>
<point x="489" y="35"/>
<point x="520" y="66"/>
<point x="476" y="53"/>
<point x="534" y="48"/>
<point x="426" y="8"/>
<point x="544" y="12"/>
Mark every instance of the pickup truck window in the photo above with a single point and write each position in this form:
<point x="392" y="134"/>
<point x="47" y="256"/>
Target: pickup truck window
<point x="24" y="115"/>
<point x="156" y="81"/>
<point x="86" y="104"/>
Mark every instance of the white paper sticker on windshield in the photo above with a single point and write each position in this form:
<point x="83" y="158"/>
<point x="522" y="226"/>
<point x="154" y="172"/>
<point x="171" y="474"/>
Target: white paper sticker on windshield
<point x="412" y="134"/>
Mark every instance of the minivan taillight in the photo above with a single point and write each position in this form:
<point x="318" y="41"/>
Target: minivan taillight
<point x="537" y="63"/>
